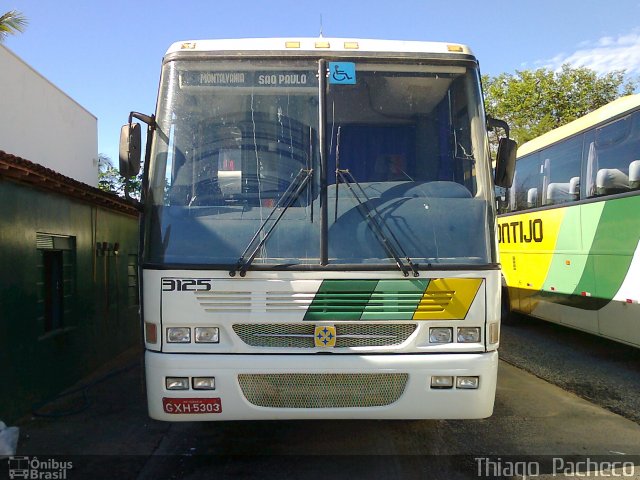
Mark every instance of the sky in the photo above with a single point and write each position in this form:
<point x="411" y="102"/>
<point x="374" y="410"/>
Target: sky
<point x="106" y="55"/>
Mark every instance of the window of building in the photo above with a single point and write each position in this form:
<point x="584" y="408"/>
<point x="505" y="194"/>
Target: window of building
<point x="57" y="281"/>
<point x="132" y="276"/>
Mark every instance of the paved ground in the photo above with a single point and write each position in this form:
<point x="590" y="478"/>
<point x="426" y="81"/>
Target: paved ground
<point x="602" y="371"/>
<point x="112" y="437"/>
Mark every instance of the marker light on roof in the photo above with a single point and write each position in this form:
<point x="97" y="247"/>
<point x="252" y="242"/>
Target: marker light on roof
<point x="454" y="48"/>
<point x="323" y="45"/>
<point x="292" y="44"/>
<point x="351" y="45"/>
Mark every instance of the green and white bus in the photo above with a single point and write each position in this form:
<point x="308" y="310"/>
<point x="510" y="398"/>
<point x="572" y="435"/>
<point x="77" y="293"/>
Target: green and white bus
<point x="319" y="232"/>
<point x="569" y="245"/>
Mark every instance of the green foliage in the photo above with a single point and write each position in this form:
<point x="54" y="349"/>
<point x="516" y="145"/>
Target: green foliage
<point x="110" y="180"/>
<point x="536" y="101"/>
<point x="10" y="23"/>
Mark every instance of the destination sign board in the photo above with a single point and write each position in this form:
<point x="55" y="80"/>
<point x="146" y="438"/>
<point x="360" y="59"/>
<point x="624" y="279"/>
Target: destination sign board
<point x="250" y="78"/>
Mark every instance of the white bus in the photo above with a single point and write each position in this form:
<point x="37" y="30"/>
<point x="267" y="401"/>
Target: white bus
<point x="319" y="232"/>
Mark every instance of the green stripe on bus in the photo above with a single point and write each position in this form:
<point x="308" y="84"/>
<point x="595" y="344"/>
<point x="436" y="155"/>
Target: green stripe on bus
<point x="612" y="249"/>
<point x="341" y="300"/>
<point x="395" y="300"/>
<point x="366" y="300"/>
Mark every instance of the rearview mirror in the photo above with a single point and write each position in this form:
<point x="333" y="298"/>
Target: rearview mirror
<point x="130" y="141"/>
<point x="505" y="162"/>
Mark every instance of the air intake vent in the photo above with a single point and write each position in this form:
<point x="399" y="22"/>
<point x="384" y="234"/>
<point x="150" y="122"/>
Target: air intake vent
<point x="344" y="390"/>
<point x="221" y="301"/>
<point x="47" y="241"/>
<point x="300" y="335"/>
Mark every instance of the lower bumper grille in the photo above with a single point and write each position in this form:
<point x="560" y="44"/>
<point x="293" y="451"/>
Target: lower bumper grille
<point x="343" y="390"/>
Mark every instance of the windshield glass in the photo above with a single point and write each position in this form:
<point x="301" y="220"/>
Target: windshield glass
<point x="232" y="136"/>
<point x="406" y="164"/>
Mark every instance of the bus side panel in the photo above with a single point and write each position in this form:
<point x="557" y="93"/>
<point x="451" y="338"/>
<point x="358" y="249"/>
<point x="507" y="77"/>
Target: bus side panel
<point x="570" y="274"/>
<point x="616" y="252"/>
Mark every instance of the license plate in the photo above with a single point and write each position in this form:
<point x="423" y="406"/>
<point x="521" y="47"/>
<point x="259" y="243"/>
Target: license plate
<point x="191" y="405"/>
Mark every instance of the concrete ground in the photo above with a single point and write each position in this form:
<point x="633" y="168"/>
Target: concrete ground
<point x="112" y="436"/>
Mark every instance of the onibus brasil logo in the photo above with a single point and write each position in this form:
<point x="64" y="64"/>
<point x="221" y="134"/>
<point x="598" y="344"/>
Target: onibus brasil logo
<point x="33" y="468"/>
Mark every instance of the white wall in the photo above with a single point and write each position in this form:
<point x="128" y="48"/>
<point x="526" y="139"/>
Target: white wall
<point x="40" y="123"/>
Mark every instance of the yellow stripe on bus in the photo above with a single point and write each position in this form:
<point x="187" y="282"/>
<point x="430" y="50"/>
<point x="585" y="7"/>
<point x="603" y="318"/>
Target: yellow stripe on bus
<point x="447" y="299"/>
<point x="536" y="232"/>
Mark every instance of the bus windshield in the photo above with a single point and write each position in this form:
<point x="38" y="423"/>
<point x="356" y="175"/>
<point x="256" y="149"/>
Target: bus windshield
<point x="393" y="156"/>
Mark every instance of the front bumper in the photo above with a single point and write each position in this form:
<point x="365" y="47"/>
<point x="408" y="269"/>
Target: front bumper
<point x="418" y="400"/>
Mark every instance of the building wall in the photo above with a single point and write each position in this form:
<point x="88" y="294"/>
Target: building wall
<point x="43" y="124"/>
<point x="99" y="314"/>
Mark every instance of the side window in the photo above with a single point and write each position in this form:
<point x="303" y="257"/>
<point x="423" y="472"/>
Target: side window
<point x="560" y="169"/>
<point x="526" y="184"/>
<point x="613" y="162"/>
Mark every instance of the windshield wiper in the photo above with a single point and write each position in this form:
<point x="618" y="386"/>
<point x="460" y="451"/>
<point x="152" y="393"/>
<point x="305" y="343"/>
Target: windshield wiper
<point x="346" y="177"/>
<point x="290" y="195"/>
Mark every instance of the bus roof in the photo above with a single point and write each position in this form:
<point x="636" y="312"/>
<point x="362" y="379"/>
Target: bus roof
<point x="601" y="115"/>
<point x="319" y="44"/>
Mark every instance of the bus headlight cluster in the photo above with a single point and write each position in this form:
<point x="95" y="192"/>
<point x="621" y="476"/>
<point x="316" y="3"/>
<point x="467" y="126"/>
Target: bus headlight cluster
<point x="445" y="335"/>
<point x="207" y="335"/>
<point x="201" y="334"/>
<point x="440" y="335"/>
<point x="197" y="383"/>
<point x="179" y="335"/>
<point x="177" y="383"/>
<point x="448" y="381"/>
<point x="468" y="334"/>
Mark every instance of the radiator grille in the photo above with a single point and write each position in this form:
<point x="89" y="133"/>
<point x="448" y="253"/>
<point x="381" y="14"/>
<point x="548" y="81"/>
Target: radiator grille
<point x="344" y="390"/>
<point x="300" y="335"/>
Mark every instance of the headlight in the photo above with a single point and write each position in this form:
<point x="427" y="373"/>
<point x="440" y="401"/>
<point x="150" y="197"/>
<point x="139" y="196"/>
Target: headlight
<point x="207" y="335"/>
<point x="204" y="383"/>
<point x="467" y="382"/>
<point x="179" y="335"/>
<point x="177" y="383"/>
<point x="442" y="381"/>
<point x="469" y="334"/>
<point x="440" y="335"/>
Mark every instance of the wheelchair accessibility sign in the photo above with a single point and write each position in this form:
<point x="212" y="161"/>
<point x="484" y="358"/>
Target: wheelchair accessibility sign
<point x="342" y="73"/>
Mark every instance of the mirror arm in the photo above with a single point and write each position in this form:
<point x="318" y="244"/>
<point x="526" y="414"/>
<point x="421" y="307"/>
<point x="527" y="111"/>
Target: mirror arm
<point x="148" y="119"/>
<point x="495" y="123"/>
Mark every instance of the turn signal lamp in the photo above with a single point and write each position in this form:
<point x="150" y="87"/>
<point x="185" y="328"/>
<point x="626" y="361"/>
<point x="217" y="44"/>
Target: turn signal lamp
<point x="150" y="332"/>
<point x="494" y="333"/>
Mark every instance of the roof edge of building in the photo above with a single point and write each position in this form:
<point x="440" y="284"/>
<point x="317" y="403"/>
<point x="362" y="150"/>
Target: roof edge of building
<point x="24" y="171"/>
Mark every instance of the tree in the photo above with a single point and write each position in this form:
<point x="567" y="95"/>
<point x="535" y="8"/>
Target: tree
<point x="110" y="180"/>
<point x="536" y="101"/>
<point x="11" y="23"/>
